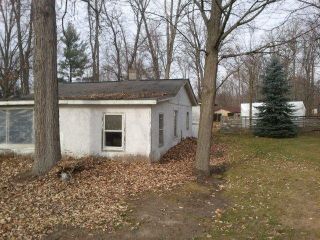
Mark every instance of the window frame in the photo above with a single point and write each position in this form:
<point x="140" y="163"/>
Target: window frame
<point x="8" y="145"/>
<point x="175" y="123"/>
<point x="110" y="148"/>
<point x="159" y="129"/>
<point x="187" y="121"/>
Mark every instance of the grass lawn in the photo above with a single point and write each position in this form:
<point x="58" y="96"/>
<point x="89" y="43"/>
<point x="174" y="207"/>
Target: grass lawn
<point x="273" y="187"/>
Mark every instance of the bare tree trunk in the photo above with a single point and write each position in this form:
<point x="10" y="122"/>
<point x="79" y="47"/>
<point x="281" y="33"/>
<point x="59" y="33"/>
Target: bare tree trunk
<point x="206" y="115"/>
<point x="217" y="31"/>
<point x="97" y="44"/>
<point x="208" y="90"/>
<point x="70" y="73"/>
<point x="251" y="81"/>
<point x="154" y="57"/>
<point x="155" y="62"/>
<point x="171" y="31"/>
<point x="46" y="106"/>
<point x="112" y="21"/>
<point x="135" y="46"/>
<point x="94" y="32"/>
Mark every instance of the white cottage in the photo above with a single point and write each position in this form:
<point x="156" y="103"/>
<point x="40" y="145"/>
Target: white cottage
<point x="137" y="117"/>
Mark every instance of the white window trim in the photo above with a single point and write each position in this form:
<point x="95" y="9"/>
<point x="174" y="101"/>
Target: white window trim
<point x="115" y="149"/>
<point x="159" y="144"/>
<point x="6" y="145"/>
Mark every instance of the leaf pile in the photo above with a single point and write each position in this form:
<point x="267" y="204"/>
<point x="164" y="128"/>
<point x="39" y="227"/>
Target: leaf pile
<point x="94" y="198"/>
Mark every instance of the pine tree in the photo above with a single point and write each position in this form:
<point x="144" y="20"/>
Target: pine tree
<point x="75" y="58"/>
<point x="274" y="117"/>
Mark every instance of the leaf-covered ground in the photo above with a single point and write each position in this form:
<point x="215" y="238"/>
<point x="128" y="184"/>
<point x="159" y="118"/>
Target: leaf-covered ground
<point x="273" y="187"/>
<point x="94" y="198"/>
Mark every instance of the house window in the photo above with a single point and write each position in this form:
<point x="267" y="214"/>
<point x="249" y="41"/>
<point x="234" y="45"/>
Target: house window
<point x="3" y="127"/>
<point x="161" y="124"/>
<point x="16" y="126"/>
<point x="175" y="118"/>
<point x="113" y="132"/>
<point x="187" y="121"/>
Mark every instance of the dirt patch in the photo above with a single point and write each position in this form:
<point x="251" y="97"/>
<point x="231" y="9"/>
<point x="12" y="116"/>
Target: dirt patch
<point x="184" y="213"/>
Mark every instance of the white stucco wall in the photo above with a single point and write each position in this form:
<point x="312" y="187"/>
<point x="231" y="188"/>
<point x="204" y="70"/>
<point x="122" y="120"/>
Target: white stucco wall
<point x="182" y="104"/>
<point x="81" y="130"/>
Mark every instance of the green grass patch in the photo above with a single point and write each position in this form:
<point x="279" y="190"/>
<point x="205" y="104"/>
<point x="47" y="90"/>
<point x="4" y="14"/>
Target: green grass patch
<point x="274" y="189"/>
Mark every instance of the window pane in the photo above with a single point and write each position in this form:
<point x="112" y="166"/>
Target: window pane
<point x="113" y="139"/>
<point x="113" y="122"/>
<point x="160" y="129"/>
<point x="3" y="126"/>
<point x="187" y="123"/>
<point x="20" y="126"/>
<point x="175" y="123"/>
<point x="160" y="137"/>
<point x="160" y="121"/>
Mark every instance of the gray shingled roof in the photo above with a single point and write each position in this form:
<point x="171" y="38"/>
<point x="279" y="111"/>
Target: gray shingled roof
<point x="123" y="90"/>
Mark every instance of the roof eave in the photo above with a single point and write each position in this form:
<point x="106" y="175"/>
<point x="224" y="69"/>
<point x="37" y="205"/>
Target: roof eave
<point x="191" y="94"/>
<point x="84" y="102"/>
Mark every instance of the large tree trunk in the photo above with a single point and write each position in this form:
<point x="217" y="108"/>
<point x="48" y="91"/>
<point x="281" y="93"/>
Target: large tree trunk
<point x="206" y="115"/>
<point x="209" y="90"/>
<point x="46" y="108"/>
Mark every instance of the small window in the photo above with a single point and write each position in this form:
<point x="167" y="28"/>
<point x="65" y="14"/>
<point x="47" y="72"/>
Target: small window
<point x="161" y="124"/>
<point x="16" y="126"/>
<point x="20" y="126"/>
<point x="113" y="132"/>
<point x="3" y="126"/>
<point x="187" y="121"/>
<point x="175" y="117"/>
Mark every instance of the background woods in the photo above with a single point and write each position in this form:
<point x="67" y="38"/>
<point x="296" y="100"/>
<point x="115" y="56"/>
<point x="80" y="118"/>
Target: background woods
<point x="167" y="39"/>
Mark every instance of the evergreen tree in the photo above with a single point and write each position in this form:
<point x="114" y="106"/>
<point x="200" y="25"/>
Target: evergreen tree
<point x="274" y="118"/>
<point x="75" y="58"/>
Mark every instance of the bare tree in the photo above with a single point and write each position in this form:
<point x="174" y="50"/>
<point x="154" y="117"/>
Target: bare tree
<point x="94" y="12"/>
<point x="300" y="56"/>
<point x="172" y="15"/>
<point x="142" y="6"/>
<point x="310" y="53"/>
<point x="114" y="24"/>
<point x="46" y="106"/>
<point x="9" y="73"/>
<point x="194" y="46"/>
<point x="221" y="19"/>
<point x="252" y="70"/>
<point x="312" y="3"/>
<point x="24" y="37"/>
<point x="132" y="55"/>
